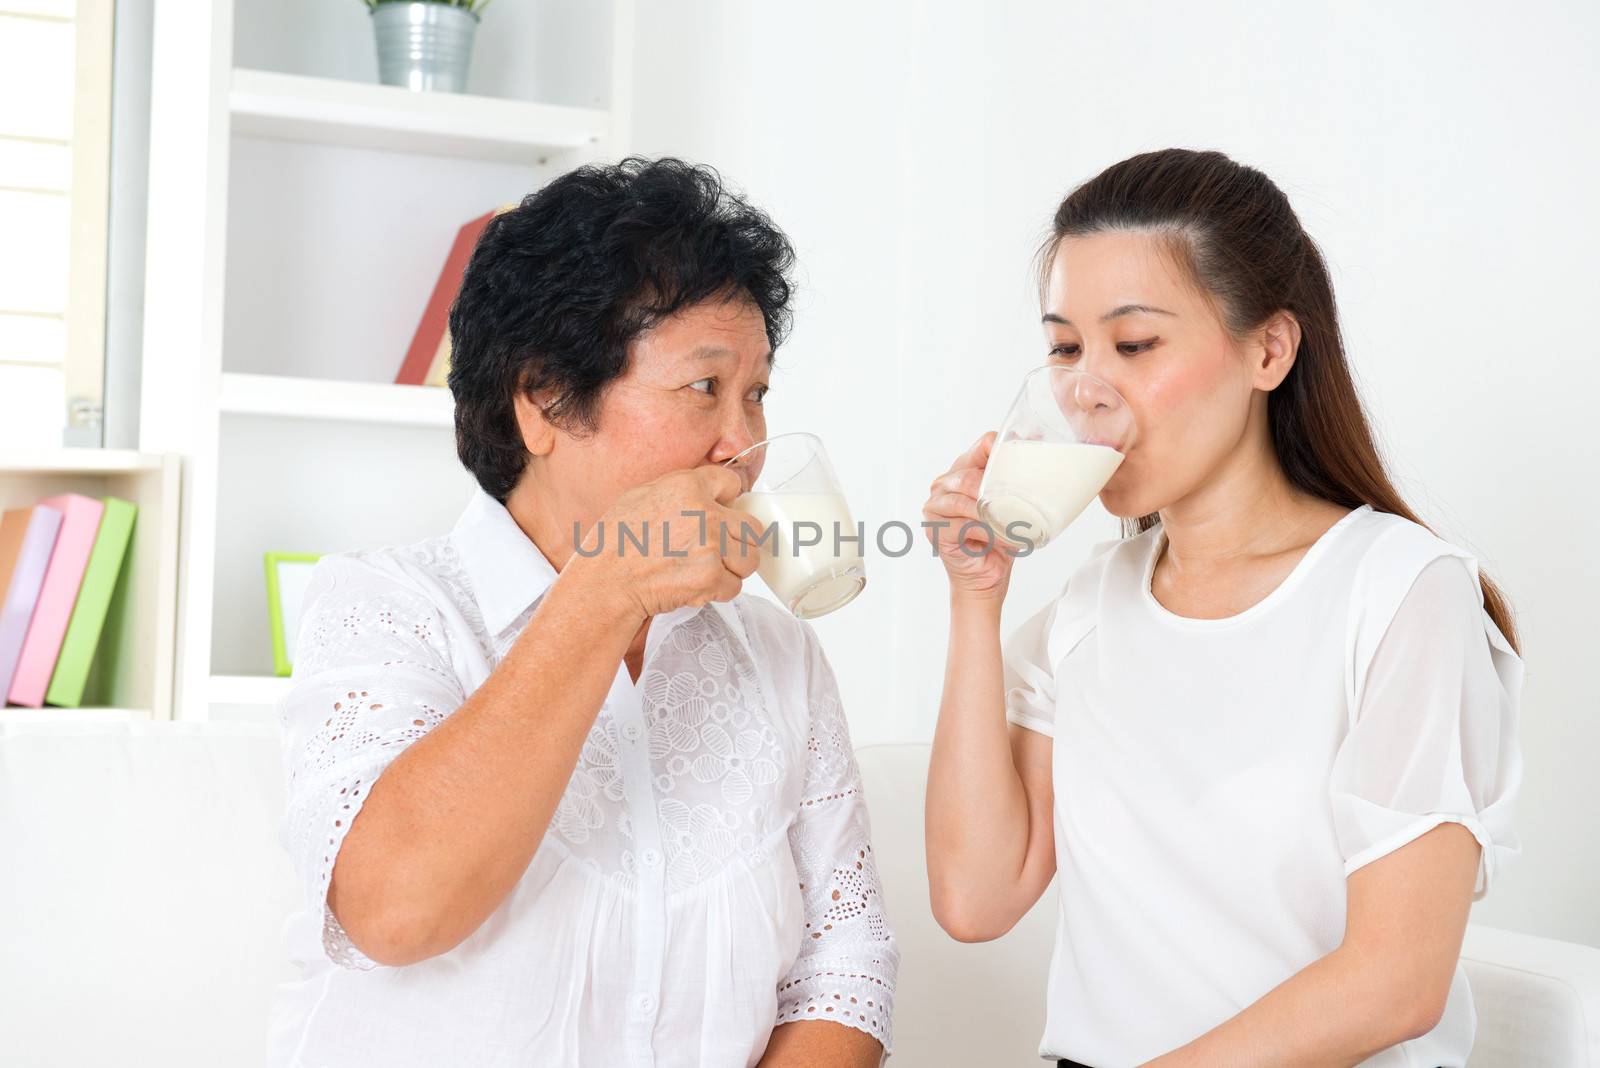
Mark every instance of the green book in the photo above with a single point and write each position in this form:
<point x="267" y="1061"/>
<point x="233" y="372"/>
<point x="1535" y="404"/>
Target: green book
<point x="94" y="599"/>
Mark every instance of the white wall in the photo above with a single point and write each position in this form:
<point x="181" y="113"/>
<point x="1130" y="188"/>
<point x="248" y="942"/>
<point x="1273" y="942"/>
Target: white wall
<point x="1444" y="155"/>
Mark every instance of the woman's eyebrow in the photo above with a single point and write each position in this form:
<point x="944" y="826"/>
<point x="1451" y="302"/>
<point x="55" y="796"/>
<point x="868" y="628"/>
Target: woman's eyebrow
<point x="1126" y="309"/>
<point x="1133" y="309"/>
<point x="720" y="352"/>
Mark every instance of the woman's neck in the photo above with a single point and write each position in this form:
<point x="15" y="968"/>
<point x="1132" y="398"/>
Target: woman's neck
<point x="1247" y="510"/>
<point x="554" y="538"/>
<point x="538" y="512"/>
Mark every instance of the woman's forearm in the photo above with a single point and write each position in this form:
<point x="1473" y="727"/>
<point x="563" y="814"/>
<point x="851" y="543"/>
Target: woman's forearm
<point x="808" y="1043"/>
<point x="1389" y="980"/>
<point x="452" y="823"/>
<point x="979" y="830"/>
<point x="1337" y="1011"/>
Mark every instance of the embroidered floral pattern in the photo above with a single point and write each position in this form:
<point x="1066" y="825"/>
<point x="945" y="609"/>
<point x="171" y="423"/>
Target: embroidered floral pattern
<point x="375" y="671"/>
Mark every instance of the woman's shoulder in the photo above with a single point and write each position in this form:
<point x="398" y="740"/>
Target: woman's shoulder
<point x="414" y="568"/>
<point x="416" y="585"/>
<point x="1388" y="552"/>
<point x="1112" y="556"/>
<point x="772" y="633"/>
<point x="365" y="606"/>
<point x="1396" y="559"/>
<point x="1109" y="564"/>
<point x="1073" y="614"/>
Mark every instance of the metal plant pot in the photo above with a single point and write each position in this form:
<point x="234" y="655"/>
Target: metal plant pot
<point x="423" y="45"/>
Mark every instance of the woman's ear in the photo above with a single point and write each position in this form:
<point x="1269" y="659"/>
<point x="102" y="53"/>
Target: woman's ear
<point x="538" y="433"/>
<point x="1278" y="341"/>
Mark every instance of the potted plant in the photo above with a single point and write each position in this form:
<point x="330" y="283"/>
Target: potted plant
<point x="425" y="44"/>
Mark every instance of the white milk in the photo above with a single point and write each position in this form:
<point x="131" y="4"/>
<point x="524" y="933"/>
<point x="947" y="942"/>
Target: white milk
<point x="1042" y="484"/>
<point x="817" y="580"/>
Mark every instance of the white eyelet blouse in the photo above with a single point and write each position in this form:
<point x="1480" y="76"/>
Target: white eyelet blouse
<point x="707" y="876"/>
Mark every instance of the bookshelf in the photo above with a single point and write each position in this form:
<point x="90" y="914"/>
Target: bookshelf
<point x="132" y="675"/>
<point x="299" y="216"/>
<point x="295" y="107"/>
<point x="292" y="397"/>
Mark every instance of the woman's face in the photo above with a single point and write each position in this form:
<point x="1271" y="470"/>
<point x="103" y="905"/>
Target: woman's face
<point x="691" y="394"/>
<point x="1118" y="307"/>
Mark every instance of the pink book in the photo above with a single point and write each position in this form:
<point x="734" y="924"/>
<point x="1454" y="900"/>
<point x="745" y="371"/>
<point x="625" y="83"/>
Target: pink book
<point x="80" y="522"/>
<point x="27" y="537"/>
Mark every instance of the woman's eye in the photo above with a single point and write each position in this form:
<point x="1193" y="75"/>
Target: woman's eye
<point x="1133" y="348"/>
<point x="704" y="385"/>
<point x="759" y="394"/>
<point x="1063" y="351"/>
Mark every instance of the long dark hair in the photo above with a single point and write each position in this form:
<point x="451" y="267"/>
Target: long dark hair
<point x="1235" y="233"/>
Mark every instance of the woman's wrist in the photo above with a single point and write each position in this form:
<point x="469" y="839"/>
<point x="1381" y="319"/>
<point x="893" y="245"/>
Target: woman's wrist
<point x="982" y="604"/>
<point x="602" y="590"/>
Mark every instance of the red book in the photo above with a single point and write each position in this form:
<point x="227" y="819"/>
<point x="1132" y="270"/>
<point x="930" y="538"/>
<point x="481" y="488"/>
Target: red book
<point x="427" y="361"/>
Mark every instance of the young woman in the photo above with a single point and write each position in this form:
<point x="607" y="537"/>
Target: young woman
<point x="1267" y="740"/>
<point x="557" y="806"/>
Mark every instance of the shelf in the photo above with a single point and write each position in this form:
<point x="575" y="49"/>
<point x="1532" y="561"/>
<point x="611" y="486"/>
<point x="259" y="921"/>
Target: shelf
<point x="247" y="689"/>
<point x="77" y="462"/>
<point x="293" y="107"/>
<point x="51" y="714"/>
<point x="132" y="672"/>
<point x="356" y="402"/>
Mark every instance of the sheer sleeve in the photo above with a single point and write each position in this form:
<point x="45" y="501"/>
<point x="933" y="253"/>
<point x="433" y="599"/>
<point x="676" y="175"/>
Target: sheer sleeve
<point x="848" y="957"/>
<point x="1029" y="675"/>
<point x="1034" y="650"/>
<point x="1434" y="734"/>
<point x="371" y="675"/>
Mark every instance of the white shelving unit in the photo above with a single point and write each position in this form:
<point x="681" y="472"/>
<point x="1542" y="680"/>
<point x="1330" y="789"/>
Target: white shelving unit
<point x="132" y="674"/>
<point x="299" y="216"/>
<point x="294" y="107"/>
<point x="88" y="714"/>
<point x="289" y="397"/>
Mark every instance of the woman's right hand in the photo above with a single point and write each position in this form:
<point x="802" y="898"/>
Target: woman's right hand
<point x="688" y="560"/>
<point x="975" y="563"/>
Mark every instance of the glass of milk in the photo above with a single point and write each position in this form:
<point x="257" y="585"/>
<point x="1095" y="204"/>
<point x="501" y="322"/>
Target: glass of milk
<point x="811" y="549"/>
<point x="1061" y="442"/>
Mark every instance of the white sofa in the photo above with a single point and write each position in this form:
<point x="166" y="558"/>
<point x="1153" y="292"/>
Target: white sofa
<point x="142" y="890"/>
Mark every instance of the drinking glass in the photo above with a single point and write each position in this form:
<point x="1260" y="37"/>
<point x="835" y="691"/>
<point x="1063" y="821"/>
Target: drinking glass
<point x="1063" y="438"/>
<point x="811" y="553"/>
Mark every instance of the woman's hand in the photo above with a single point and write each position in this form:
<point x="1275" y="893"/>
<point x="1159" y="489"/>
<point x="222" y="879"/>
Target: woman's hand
<point x="696" y="548"/>
<point x="976" y="563"/>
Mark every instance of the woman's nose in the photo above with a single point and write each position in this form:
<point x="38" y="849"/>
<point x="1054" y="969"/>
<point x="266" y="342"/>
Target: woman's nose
<point x="738" y="433"/>
<point x="1082" y="391"/>
<point x="1090" y="394"/>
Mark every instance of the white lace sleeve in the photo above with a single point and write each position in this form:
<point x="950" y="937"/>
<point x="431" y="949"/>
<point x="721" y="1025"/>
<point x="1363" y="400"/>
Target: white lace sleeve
<point x="848" y="959"/>
<point x="371" y="675"/>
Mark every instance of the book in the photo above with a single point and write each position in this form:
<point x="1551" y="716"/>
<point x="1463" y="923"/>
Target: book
<point x="80" y="523"/>
<point x="27" y="540"/>
<point x="94" y="600"/>
<point x="427" y="362"/>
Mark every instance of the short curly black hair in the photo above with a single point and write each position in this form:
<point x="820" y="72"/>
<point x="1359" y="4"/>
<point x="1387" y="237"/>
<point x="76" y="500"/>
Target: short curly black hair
<point x="557" y="287"/>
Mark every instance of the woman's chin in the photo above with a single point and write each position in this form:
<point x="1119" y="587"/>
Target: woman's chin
<point x="1128" y="505"/>
<point x="1118" y="503"/>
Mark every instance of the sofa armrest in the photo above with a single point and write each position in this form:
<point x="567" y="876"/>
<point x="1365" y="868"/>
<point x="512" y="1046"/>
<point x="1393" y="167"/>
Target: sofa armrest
<point x="1537" y="999"/>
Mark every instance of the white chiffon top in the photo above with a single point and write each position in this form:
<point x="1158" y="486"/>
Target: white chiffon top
<point x="1216" y="781"/>
<point x="707" y="876"/>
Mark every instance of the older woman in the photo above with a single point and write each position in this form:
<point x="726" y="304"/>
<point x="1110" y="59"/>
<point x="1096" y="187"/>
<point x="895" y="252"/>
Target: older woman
<point x="558" y="804"/>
